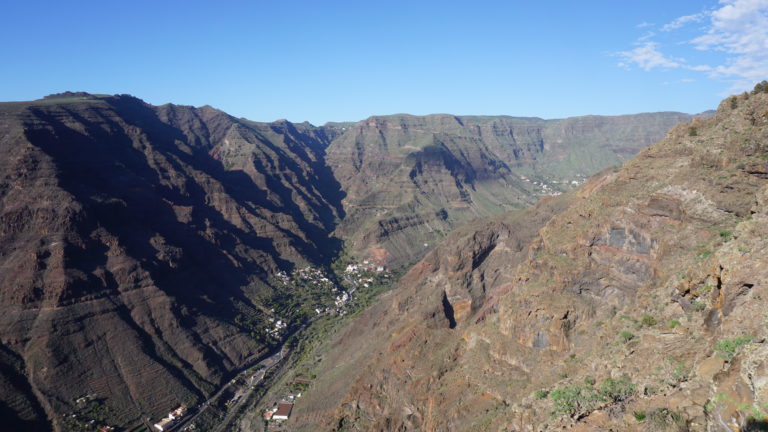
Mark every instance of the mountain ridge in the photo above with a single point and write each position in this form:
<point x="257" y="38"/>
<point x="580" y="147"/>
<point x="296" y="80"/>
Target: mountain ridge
<point x="128" y="248"/>
<point x="464" y="168"/>
<point x="139" y="240"/>
<point x="632" y="303"/>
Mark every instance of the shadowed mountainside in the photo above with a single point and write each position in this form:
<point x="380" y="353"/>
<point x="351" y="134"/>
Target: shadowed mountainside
<point x="128" y="235"/>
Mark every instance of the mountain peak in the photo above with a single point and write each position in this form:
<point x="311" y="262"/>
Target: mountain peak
<point x="69" y="95"/>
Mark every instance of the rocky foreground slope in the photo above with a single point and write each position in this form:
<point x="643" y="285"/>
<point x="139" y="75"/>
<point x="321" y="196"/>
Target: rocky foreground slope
<point x="635" y="303"/>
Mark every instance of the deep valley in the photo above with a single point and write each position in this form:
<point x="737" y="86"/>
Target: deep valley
<point x="403" y="273"/>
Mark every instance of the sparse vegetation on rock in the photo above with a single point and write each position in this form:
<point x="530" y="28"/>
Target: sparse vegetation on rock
<point x="574" y="400"/>
<point x="728" y="348"/>
<point x="648" y="320"/>
<point x="617" y="389"/>
<point x="626" y="336"/>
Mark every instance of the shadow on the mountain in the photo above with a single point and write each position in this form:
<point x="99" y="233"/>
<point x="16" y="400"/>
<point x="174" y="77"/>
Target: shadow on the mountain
<point x="125" y="198"/>
<point x="755" y="425"/>
<point x="241" y="187"/>
<point x="17" y="389"/>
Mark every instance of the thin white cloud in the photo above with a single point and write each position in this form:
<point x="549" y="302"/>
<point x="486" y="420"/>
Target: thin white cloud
<point x="736" y="28"/>
<point x="647" y="36"/>
<point x="740" y="29"/>
<point x="644" y="25"/>
<point x="683" y="81"/>
<point x="647" y="57"/>
<point x="700" y="68"/>
<point x="683" y="20"/>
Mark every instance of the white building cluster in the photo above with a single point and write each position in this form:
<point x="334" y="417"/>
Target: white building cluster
<point x="172" y="418"/>
<point x="278" y="326"/>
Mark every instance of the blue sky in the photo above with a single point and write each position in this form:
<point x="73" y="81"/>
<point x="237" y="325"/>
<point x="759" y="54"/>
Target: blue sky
<point x="335" y="60"/>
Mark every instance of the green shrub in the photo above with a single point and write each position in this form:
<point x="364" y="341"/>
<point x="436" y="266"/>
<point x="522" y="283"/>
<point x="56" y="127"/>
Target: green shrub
<point x="574" y="400"/>
<point x="673" y="323"/>
<point x="617" y="390"/>
<point x="648" y="320"/>
<point x="727" y="347"/>
<point x="761" y="87"/>
<point x="680" y="371"/>
<point x="734" y="102"/>
<point x="726" y="235"/>
<point x="692" y="131"/>
<point x="639" y="415"/>
<point x="541" y="394"/>
<point x="626" y="336"/>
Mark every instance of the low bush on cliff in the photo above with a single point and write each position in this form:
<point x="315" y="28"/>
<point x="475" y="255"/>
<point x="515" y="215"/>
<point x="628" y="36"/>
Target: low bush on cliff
<point x="727" y="348"/>
<point x="648" y="320"/>
<point x="626" y="336"/>
<point x="578" y="400"/>
<point x="574" y="400"/>
<point x="761" y="87"/>
<point x="617" y="389"/>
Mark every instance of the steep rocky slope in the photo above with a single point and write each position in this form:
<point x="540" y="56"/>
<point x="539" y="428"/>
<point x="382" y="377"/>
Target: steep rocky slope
<point x="129" y="234"/>
<point x="410" y="180"/>
<point x="138" y="241"/>
<point x="634" y="303"/>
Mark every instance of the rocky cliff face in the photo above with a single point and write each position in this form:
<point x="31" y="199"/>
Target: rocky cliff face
<point x="135" y="238"/>
<point x="410" y="180"/>
<point x="633" y="303"/>
<point x="129" y="233"/>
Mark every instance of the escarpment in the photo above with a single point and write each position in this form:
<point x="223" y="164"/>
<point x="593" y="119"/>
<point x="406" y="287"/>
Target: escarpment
<point x="635" y="302"/>
<point x="133" y="237"/>
<point x="139" y="244"/>
<point x="410" y="180"/>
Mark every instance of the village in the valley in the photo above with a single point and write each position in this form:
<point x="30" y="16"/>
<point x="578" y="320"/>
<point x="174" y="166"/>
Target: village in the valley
<point x="327" y="298"/>
<point x="324" y="296"/>
<point x="356" y="276"/>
